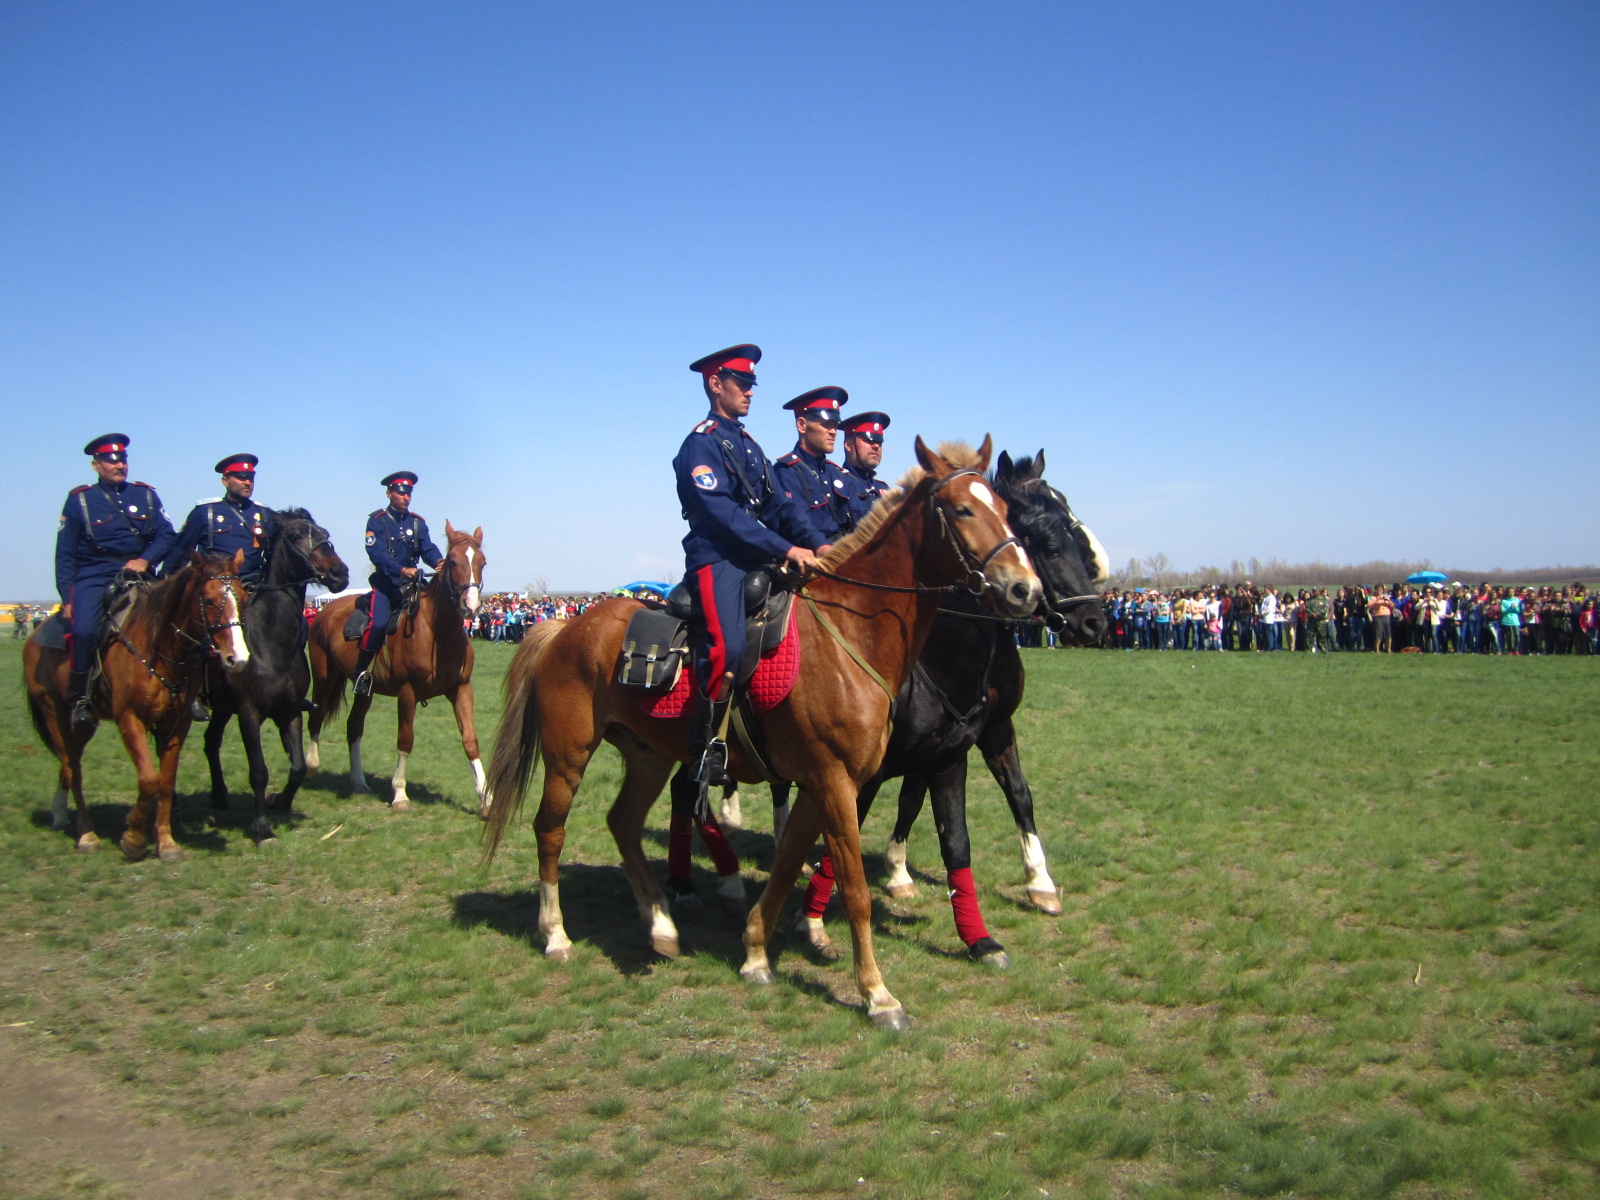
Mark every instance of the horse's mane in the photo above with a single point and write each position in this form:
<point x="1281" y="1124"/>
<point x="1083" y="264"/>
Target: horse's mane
<point x="158" y="605"/>
<point x="296" y="514"/>
<point x="959" y="454"/>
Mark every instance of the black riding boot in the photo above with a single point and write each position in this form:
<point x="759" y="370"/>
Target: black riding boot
<point x="707" y="750"/>
<point x="364" y="671"/>
<point x="200" y="706"/>
<point x="83" y="714"/>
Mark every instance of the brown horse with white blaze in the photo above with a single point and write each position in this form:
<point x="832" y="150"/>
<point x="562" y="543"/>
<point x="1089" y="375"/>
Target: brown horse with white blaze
<point x="150" y="671"/>
<point x="428" y="655"/>
<point x="861" y="625"/>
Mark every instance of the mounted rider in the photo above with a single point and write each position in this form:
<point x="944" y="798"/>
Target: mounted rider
<point x="397" y="539"/>
<point x="107" y="527"/>
<point x="863" y="451"/>
<point x="805" y="472"/>
<point x="232" y="521"/>
<point x="739" y="520"/>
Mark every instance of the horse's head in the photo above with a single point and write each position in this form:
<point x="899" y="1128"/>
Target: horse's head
<point x="221" y="603"/>
<point x="1069" y="558"/>
<point x="303" y="553"/>
<point x="462" y="568"/>
<point x="978" y="544"/>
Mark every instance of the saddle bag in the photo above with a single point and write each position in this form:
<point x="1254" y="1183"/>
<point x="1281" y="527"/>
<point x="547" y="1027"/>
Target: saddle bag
<point x="654" y="649"/>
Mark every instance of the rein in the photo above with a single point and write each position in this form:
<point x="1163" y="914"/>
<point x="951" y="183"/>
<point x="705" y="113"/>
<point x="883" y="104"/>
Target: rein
<point x="174" y="689"/>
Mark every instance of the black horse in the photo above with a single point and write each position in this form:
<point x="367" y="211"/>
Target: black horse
<point x="274" y="682"/>
<point x="962" y="693"/>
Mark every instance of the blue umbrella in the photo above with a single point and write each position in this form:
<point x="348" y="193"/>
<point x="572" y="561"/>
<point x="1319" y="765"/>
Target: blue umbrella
<point x="1427" y="577"/>
<point x="645" y="585"/>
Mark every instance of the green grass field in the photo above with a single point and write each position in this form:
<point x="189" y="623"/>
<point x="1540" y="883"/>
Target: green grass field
<point x="1330" y="930"/>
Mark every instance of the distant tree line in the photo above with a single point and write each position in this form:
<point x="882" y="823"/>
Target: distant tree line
<point x="1158" y="571"/>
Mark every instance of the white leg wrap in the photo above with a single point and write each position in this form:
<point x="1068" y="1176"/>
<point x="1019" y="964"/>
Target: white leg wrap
<point x="731" y="815"/>
<point x="358" y="777"/>
<point x="1034" y="866"/>
<point x="813" y="930"/>
<point x="313" y="756"/>
<point x="731" y="886"/>
<point x="555" y="933"/>
<point x="894" y="858"/>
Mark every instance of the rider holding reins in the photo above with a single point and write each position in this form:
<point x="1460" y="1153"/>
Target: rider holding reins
<point x="397" y="539"/>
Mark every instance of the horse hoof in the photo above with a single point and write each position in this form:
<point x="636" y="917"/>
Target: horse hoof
<point x="688" y="902"/>
<point x="1046" y="902"/>
<point x="758" y="975"/>
<point x="827" y="951"/>
<point x="895" y="1020"/>
<point x="59" y="822"/>
<point x="560" y="954"/>
<point x="665" y="947"/>
<point x="902" y="891"/>
<point x="991" y="954"/>
<point x="133" y="850"/>
<point x="171" y="856"/>
<point x="400" y="804"/>
<point x="88" y="844"/>
<point x="270" y="839"/>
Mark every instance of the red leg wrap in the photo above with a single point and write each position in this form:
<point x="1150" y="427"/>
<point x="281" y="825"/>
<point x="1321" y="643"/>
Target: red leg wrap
<point x="722" y="855"/>
<point x="964" y="902"/>
<point x="820" y="890"/>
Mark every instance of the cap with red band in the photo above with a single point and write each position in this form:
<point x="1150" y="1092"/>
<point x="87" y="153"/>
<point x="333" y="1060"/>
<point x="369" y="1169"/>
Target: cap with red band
<point x="108" y="443"/>
<point x="742" y="359"/>
<point x="236" y="464"/>
<point x="409" y="478"/>
<point x="828" y="399"/>
<point x="867" y="422"/>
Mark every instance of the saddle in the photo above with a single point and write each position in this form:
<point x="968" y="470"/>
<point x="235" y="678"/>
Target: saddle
<point x="355" y="625"/>
<point x="656" y="644"/>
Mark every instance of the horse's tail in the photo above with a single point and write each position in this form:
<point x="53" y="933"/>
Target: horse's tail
<point x="516" y="744"/>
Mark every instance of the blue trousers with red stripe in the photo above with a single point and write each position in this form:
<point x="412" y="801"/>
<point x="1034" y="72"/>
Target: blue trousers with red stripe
<point x="717" y="646"/>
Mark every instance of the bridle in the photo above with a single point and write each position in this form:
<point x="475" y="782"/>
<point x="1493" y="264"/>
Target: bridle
<point x="313" y="575"/>
<point x="454" y="589"/>
<point x="1058" y="607"/>
<point x="976" y="581"/>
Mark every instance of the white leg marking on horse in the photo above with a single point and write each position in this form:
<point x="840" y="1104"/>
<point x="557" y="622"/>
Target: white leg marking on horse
<point x="894" y="858"/>
<point x="556" y="941"/>
<point x="731" y="814"/>
<point x="58" y="811"/>
<point x="313" y="756"/>
<point x="661" y="923"/>
<point x="401" y="800"/>
<point x="480" y="781"/>
<point x="780" y="818"/>
<point x="1034" y="864"/>
<point x="813" y="930"/>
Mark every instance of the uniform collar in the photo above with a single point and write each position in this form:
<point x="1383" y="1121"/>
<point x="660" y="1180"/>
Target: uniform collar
<point x="241" y="505"/>
<point x="114" y="489"/>
<point x="815" y="460"/>
<point x="395" y="513"/>
<point x="713" y="415"/>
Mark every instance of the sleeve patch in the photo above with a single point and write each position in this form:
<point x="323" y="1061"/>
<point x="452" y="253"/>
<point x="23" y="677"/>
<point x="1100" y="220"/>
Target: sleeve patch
<point x="705" y="478"/>
<point x="372" y="538"/>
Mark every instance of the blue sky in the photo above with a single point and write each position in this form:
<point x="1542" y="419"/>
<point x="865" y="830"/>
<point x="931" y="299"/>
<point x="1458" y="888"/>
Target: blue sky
<point x="1314" y="281"/>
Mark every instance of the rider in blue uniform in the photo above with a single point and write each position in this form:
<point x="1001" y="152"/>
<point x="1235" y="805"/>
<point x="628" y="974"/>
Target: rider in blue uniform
<point x="397" y="539"/>
<point x="805" y="472"/>
<point x="739" y="520"/>
<point x="106" y="527"/>
<point x="231" y="522"/>
<point x="863" y="451"/>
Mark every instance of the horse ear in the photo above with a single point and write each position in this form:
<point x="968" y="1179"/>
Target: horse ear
<point x="1004" y="468"/>
<point x="238" y="562"/>
<point x="927" y="459"/>
<point x="448" y="532"/>
<point x="984" y="451"/>
<point x="477" y="535"/>
<point x="1038" y="464"/>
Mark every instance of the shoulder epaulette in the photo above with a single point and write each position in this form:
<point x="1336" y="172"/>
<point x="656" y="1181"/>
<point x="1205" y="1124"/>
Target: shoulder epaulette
<point x="706" y="426"/>
<point x="83" y="488"/>
<point x="143" y="484"/>
<point x="788" y="459"/>
<point x="208" y="500"/>
<point x="418" y="516"/>
<point x="377" y="512"/>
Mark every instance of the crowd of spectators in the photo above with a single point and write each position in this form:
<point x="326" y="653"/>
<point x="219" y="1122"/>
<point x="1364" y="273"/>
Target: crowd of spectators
<point x="1425" y="618"/>
<point x="507" y="616"/>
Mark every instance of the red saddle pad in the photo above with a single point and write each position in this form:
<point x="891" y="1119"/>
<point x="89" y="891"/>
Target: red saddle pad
<point x="772" y="682"/>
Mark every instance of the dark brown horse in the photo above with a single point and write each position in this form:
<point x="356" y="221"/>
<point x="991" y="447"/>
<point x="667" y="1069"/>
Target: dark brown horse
<point x="861" y="626"/>
<point x="273" y="685"/>
<point x="150" y="671"/>
<point x="428" y="655"/>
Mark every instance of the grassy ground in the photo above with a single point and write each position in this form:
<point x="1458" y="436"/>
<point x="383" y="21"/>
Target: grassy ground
<point x="1330" y="930"/>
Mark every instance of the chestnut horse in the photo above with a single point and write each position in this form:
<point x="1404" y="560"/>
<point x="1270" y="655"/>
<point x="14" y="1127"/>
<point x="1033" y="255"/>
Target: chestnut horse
<point x="150" y="671"/>
<point x="862" y="623"/>
<point x="428" y="655"/>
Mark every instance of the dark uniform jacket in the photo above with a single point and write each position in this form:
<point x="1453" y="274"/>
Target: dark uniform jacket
<point x="221" y="527"/>
<point x="103" y="525"/>
<point x="395" y="541"/>
<point x="862" y="487"/>
<point x="820" y="487"/>
<point x="736" y="512"/>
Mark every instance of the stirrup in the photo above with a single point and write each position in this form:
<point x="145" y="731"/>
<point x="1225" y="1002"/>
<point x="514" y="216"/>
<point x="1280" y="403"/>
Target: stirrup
<point x="364" y="684"/>
<point x="84" y="715"/>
